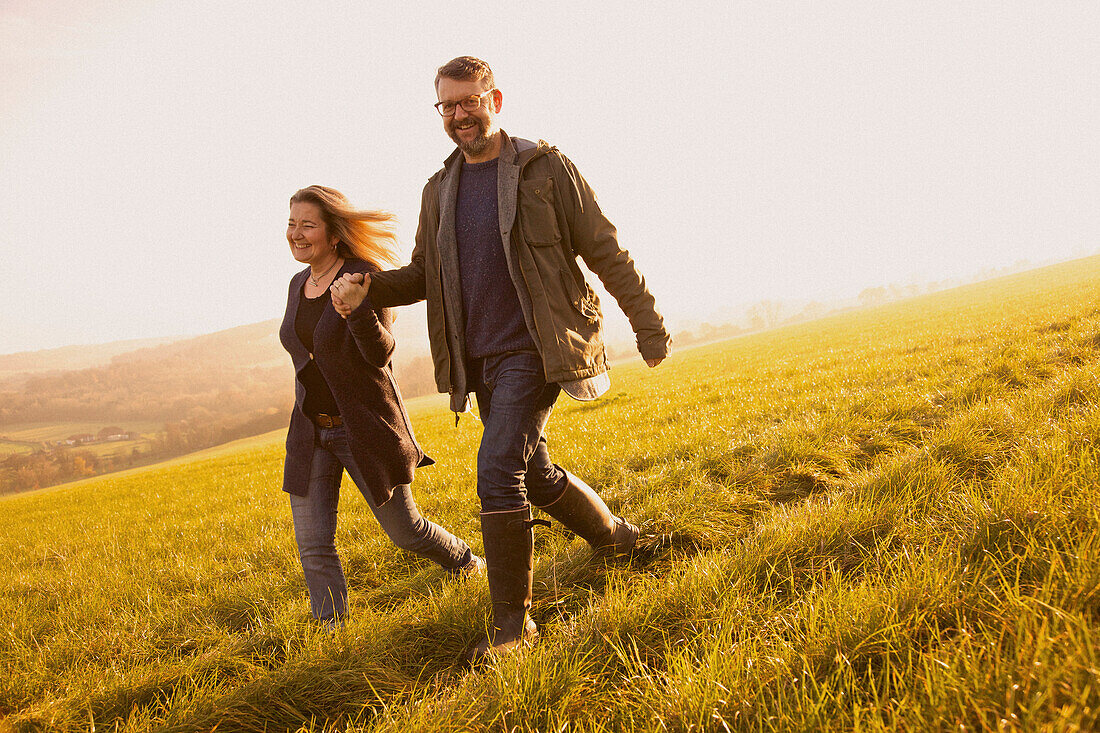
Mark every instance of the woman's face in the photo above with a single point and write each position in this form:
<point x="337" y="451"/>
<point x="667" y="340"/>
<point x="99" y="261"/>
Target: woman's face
<point x="309" y="239"/>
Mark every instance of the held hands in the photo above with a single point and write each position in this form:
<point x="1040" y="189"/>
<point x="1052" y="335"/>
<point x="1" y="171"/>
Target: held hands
<point x="348" y="291"/>
<point x="649" y="362"/>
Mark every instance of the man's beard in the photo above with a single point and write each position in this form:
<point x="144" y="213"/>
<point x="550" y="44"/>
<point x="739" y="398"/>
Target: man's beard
<point x="479" y="144"/>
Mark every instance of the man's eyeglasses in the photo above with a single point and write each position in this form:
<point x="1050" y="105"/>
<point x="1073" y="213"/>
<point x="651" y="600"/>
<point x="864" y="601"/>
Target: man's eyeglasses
<point x="471" y="103"/>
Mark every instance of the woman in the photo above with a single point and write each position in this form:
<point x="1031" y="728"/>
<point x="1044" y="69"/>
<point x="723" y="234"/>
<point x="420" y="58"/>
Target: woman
<point x="348" y="413"/>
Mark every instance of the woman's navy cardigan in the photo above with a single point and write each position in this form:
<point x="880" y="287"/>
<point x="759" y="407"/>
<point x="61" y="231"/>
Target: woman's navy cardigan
<point x="354" y="358"/>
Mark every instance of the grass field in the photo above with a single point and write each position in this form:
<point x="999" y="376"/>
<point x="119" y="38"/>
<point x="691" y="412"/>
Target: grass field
<point x="885" y="520"/>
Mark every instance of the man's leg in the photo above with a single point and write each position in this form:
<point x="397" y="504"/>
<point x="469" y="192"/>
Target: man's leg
<point x="575" y="504"/>
<point x="515" y="402"/>
<point x="581" y="509"/>
<point x="544" y="480"/>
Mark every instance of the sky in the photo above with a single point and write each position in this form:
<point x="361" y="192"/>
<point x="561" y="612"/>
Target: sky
<point x="746" y="151"/>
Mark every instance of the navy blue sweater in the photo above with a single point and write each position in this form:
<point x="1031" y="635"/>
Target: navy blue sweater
<point x="494" y="320"/>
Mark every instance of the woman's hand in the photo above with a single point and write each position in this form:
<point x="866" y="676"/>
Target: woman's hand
<point x="348" y="291"/>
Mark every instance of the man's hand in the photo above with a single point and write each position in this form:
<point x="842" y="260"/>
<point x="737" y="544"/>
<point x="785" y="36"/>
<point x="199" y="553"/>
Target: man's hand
<point x="649" y="362"/>
<point x="349" y="291"/>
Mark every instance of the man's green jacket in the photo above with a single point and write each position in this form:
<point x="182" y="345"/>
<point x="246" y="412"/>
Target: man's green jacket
<point x="548" y="217"/>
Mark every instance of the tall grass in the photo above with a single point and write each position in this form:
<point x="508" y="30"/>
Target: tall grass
<point x="885" y="520"/>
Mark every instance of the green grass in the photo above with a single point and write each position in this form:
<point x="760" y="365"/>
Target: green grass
<point x="884" y="520"/>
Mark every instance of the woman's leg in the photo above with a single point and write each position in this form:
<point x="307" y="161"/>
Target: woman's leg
<point x="315" y="532"/>
<point x="410" y="531"/>
<point x="399" y="517"/>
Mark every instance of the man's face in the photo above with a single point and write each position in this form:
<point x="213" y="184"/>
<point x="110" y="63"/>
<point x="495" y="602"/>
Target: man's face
<point x="473" y="131"/>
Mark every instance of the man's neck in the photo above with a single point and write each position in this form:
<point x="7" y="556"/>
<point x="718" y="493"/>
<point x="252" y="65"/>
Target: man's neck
<point x="490" y="153"/>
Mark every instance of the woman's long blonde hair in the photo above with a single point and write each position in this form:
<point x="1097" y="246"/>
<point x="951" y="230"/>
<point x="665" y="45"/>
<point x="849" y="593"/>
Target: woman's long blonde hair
<point x="365" y="234"/>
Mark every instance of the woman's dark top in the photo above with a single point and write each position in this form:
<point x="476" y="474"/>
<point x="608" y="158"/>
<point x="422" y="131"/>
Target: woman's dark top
<point x="318" y="400"/>
<point x="353" y="357"/>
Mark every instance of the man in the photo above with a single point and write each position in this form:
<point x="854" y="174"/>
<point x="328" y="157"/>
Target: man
<point x="512" y="319"/>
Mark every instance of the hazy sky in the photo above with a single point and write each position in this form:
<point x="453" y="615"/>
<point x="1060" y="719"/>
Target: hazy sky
<point x="744" y="150"/>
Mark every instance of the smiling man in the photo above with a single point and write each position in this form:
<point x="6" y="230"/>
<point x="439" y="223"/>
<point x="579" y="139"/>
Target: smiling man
<point x="512" y="320"/>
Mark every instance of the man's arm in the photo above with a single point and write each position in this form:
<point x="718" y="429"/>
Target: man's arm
<point x="595" y="240"/>
<point x="405" y="285"/>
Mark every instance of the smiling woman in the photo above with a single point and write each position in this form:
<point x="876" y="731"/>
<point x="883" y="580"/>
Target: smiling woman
<point x="348" y="413"/>
<point x="310" y="241"/>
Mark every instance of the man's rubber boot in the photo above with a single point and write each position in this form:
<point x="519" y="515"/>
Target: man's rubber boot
<point x="509" y="547"/>
<point x="584" y="513"/>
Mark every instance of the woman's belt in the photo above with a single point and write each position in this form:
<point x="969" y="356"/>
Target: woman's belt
<point x="327" y="421"/>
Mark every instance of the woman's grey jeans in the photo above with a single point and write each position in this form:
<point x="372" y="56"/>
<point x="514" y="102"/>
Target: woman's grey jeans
<point x="315" y="526"/>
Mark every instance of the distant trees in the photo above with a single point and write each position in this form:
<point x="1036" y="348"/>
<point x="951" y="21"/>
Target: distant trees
<point x="23" y="471"/>
<point x="872" y="296"/>
<point x="415" y="376"/>
<point x="707" y="332"/>
<point x="185" y="436"/>
<point x="203" y="429"/>
<point x="766" y="314"/>
<point x="162" y="391"/>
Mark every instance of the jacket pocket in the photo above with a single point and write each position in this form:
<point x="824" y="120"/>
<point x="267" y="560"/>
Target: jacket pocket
<point x="585" y="305"/>
<point x="538" y="212"/>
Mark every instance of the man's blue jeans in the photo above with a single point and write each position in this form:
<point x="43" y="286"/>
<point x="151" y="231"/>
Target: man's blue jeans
<point x="513" y="462"/>
<point x="315" y="526"/>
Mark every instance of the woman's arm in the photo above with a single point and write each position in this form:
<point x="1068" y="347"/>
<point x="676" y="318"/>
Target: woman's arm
<point x="370" y="329"/>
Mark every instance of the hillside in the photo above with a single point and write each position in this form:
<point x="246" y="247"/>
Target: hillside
<point x="16" y="368"/>
<point x="237" y="370"/>
<point x="882" y="520"/>
<point x="173" y="397"/>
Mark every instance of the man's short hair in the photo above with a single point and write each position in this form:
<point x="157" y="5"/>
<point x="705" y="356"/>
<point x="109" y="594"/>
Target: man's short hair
<point x="466" y="68"/>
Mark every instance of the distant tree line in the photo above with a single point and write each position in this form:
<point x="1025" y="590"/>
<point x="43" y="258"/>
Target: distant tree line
<point x="149" y="391"/>
<point x="164" y="391"/>
<point x="23" y="471"/>
<point x="59" y="464"/>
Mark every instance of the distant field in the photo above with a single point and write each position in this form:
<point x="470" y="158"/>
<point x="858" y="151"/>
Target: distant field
<point x="884" y="520"/>
<point x="38" y="432"/>
<point x="8" y="448"/>
<point x="26" y="438"/>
